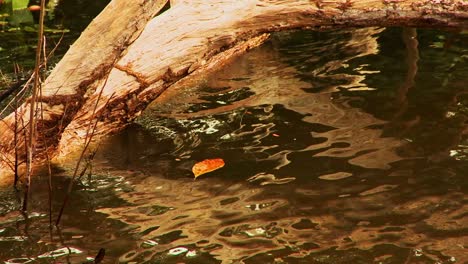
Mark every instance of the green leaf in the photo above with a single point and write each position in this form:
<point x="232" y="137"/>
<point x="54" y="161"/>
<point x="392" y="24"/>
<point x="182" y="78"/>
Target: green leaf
<point x="20" y="4"/>
<point x="21" y="16"/>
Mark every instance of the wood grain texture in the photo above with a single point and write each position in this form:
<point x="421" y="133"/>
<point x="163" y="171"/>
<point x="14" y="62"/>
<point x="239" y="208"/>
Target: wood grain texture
<point x="87" y="62"/>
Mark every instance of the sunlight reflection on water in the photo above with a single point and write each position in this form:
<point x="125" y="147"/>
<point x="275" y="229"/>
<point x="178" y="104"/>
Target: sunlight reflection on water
<point x="323" y="164"/>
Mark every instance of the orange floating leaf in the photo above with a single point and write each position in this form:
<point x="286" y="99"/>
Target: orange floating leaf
<point x="34" y="8"/>
<point x="206" y="166"/>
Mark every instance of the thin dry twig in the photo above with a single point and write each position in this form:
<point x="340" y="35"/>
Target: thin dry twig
<point x="49" y="167"/>
<point x="88" y="140"/>
<point x="90" y="132"/>
<point x="32" y="110"/>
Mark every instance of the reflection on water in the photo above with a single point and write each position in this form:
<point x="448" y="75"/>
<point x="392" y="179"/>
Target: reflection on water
<point x="346" y="146"/>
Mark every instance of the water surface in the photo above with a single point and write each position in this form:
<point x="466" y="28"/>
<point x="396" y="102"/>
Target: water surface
<point x="344" y="146"/>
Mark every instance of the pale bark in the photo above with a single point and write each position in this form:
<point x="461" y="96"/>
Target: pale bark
<point x="134" y="69"/>
<point x="76" y="76"/>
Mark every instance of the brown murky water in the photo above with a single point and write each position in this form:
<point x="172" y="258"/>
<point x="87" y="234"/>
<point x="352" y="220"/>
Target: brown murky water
<point x="346" y="146"/>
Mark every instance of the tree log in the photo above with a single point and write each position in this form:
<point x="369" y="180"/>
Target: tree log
<point x="74" y="78"/>
<point x="116" y="68"/>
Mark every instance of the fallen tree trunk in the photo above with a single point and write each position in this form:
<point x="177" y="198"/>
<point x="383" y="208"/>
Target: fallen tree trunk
<point x="76" y="76"/>
<point x="116" y="67"/>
